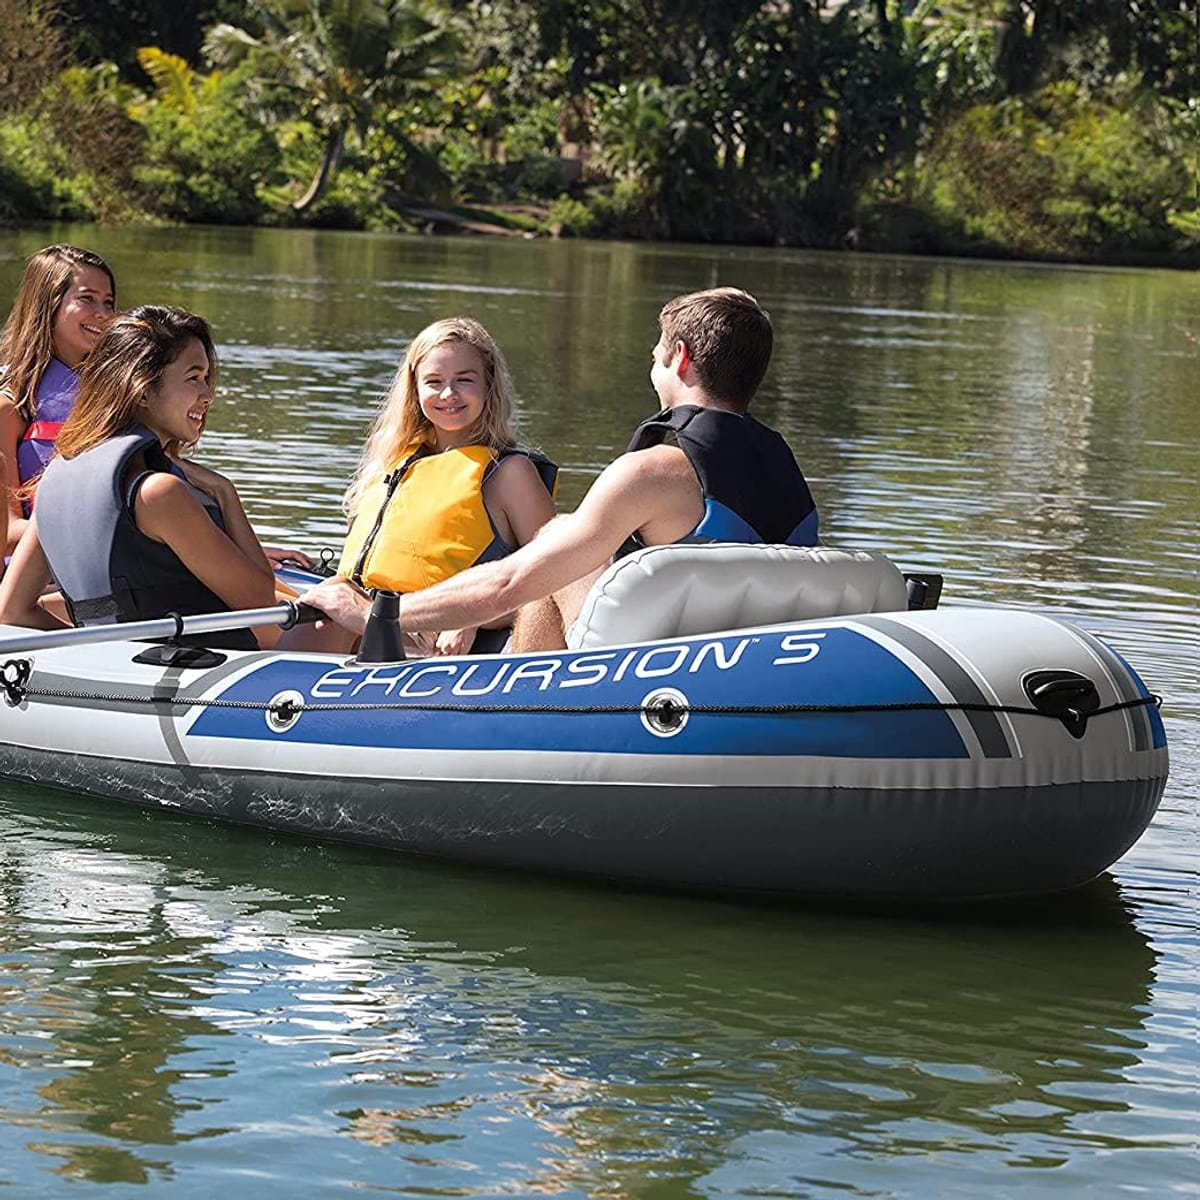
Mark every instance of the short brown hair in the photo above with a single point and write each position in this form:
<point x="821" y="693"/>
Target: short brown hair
<point x="729" y="336"/>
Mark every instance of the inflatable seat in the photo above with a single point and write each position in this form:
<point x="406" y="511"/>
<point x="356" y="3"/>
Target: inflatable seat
<point x="685" y="590"/>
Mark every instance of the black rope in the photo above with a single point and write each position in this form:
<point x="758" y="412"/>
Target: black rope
<point x="286" y="709"/>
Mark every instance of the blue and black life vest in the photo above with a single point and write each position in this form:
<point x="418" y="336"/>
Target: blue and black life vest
<point x="753" y="490"/>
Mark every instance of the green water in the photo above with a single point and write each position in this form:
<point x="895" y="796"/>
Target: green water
<point x="191" y="1010"/>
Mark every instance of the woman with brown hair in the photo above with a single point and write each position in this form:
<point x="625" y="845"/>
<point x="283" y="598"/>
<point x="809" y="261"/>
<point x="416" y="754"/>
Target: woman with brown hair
<point x="129" y="529"/>
<point x="66" y="298"/>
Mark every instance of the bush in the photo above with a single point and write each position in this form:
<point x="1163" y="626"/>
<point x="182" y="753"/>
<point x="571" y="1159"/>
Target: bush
<point x="38" y="181"/>
<point x="353" y="199"/>
<point x="569" y="217"/>
<point x="1060" y="174"/>
<point x="206" y="164"/>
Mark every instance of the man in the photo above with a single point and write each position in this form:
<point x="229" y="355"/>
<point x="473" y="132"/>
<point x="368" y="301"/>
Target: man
<point x="700" y="470"/>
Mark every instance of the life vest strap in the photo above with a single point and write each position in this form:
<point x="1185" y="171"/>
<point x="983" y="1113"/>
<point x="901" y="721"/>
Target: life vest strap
<point x="42" y="431"/>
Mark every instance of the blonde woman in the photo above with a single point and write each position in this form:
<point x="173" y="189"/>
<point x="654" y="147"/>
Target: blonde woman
<point x="129" y="529"/>
<point x="442" y="484"/>
<point x="66" y="298"/>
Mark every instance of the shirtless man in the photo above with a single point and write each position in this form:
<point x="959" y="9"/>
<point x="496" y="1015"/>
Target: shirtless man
<point x="702" y="469"/>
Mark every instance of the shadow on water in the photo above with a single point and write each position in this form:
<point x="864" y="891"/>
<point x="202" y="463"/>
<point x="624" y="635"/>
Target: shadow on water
<point x="427" y="1000"/>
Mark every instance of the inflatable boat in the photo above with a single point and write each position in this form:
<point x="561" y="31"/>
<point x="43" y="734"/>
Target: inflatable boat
<point x="751" y="719"/>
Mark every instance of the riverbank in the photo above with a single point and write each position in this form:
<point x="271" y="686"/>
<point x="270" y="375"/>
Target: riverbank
<point x="832" y="127"/>
<point x="886" y="229"/>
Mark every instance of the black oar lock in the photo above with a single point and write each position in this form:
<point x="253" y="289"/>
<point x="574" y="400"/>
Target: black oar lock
<point x="382" y="641"/>
<point x="1067" y="695"/>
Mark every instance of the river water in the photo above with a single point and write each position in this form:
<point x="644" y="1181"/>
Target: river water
<point x="193" y="1010"/>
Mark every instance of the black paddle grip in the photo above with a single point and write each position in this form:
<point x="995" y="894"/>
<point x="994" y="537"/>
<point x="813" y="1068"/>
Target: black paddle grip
<point x="301" y="614"/>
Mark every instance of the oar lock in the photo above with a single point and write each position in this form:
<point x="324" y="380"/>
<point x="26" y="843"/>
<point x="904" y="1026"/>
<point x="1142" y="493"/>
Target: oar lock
<point x="283" y="710"/>
<point x="1067" y="695"/>
<point x="382" y="641"/>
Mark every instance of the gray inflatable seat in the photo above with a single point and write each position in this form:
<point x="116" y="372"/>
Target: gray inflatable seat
<point x="692" y="589"/>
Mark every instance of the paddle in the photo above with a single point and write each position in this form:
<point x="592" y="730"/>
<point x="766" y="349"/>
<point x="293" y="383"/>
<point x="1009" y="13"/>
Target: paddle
<point x="286" y="613"/>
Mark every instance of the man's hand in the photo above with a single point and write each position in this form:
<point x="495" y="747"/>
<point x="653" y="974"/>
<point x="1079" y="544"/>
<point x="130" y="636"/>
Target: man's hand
<point x="455" y="641"/>
<point x="341" y="602"/>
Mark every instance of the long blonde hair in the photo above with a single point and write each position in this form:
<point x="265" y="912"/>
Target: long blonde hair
<point x="401" y="423"/>
<point x="27" y="341"/>
<point x="126" y="364"/>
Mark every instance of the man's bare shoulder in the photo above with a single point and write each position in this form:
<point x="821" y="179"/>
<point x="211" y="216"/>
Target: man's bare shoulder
<point x="653" y="492"/>
<point x="656" y="465"/>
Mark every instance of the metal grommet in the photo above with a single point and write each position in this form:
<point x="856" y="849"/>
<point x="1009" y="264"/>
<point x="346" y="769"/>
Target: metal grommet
<point x="664" y="712"/>
<point x="283" y="711"/>
<point x="14" y="678"/>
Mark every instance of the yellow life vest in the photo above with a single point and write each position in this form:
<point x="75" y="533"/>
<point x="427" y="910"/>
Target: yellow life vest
<point x="422" y="522"/>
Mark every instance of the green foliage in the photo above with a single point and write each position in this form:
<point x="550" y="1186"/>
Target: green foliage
<point x="113" y="30"/>
<point x="205" y="158"/>
<point x="355" y="200"/>
<point x="400" y="165"/>
<point x="569" y="217"/>
<point x="1044" y="127"/>
<point x="358" y="197"/>
<point x="174" y="80"/>
<point x="335" y="64"/>
<point x="30" y="50"/>
<point x="1061" y="173"/>
<point x="38" y="181"/>
<point x="74" y="147"/>
<point x="1187" y="224"/>
<point x="531" y="131"/>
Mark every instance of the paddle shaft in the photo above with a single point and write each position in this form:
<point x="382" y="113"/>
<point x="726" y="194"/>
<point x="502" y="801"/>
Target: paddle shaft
<point x="286" y="613"/>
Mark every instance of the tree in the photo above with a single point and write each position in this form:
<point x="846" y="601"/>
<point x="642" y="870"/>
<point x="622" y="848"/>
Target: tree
<point x="336" y="62"/>
<point x="113" y="30"/>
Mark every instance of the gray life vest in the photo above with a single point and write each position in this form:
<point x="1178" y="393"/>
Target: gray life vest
<point x="107" y="568"/>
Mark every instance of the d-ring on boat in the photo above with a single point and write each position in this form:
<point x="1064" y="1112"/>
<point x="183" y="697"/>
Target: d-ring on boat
<point x="762" y="719"/>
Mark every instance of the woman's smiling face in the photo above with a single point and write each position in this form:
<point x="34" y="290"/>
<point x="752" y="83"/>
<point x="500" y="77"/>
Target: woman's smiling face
<point x="176" y="409"/>
<point x="451" y="389"/>
<point x="86" y="308"/>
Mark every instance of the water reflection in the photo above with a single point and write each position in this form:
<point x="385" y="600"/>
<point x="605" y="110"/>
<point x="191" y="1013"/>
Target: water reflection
<point x="164" y="977"/>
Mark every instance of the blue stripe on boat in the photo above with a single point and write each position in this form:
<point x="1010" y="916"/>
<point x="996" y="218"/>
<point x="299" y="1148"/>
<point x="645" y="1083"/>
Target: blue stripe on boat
<point x="835" y="666"/>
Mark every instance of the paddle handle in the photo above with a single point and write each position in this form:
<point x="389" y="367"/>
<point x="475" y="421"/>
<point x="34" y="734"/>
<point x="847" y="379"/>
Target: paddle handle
<point x="286" y="613"/>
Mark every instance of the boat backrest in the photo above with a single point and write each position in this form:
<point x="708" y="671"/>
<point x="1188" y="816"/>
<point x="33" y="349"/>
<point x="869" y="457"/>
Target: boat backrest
<point x="685" y="590"/>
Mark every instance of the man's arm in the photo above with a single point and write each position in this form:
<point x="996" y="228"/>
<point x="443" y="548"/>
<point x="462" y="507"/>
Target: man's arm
<point x="633" y="491"/>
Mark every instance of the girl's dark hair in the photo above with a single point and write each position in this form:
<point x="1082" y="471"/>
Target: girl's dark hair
<point x="125" y="366"/>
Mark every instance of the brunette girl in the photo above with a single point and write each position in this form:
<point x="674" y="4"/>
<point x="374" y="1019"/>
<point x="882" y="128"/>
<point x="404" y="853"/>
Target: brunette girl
<point x="130" y="530"/>
<point x="66" y="298"/>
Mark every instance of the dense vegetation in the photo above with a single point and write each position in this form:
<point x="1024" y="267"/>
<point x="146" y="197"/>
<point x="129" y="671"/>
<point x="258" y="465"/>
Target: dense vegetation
<point x="1053" y="128"/>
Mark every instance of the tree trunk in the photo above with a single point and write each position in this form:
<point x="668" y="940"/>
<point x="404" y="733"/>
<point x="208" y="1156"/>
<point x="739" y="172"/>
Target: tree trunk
<point x="881" y="17"/>
<point x="330" y="161"/>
